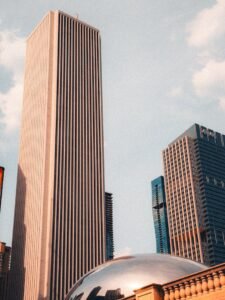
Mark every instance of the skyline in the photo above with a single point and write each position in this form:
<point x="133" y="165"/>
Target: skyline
<point x="144" y="78"/>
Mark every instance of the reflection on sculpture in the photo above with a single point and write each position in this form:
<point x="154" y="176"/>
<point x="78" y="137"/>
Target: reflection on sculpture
<point x="113" y="294"/>
<point x="79" y="297"/>
<point x="110" y="295"/>
<point x="93" y="294"/>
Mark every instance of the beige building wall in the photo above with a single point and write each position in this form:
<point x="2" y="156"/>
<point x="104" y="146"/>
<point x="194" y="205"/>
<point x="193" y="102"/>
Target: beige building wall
<point x="59" y="228"/>
<point x="183" y="209"/>
<point x="204" y="285"/>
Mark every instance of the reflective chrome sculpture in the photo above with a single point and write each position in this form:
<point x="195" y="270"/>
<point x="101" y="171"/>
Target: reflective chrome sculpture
<point x="119" y="277"/>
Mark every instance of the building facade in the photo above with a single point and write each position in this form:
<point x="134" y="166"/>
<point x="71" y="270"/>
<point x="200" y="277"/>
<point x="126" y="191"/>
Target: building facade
<point x="5" y="258"/>
<point x="204" y="285"/>
<point x="194" y="166"/>
<point x="159" y="212"/>
<point x="109" y="226"/>
<point x="59" y="226"/>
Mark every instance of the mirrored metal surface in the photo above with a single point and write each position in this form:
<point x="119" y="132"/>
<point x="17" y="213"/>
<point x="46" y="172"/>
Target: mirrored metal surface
<point x="119" y="277"/>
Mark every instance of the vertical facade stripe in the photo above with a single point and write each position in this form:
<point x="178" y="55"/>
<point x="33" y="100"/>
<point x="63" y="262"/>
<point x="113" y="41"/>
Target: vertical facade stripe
<point x="80" y="230"/>
<point x="181" y="200"/>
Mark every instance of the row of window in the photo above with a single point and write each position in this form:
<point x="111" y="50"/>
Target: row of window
<point x="215" y="181"/>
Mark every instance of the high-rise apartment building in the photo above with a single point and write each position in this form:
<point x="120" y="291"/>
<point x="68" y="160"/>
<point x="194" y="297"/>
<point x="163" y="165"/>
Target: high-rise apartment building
<point x="194" y="166"/>
<point x="160" y="215"/>
<point x="109" y="226"/>
<point x="59" y="227"/>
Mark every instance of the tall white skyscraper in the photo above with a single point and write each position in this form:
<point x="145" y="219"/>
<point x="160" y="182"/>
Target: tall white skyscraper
<point x="59" y="228"/>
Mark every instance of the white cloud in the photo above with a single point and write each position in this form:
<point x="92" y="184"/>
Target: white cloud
<point x="12" y="52"/>
<point x="208" y="26"/>
<point x="207" y="31"/>
<point x="175" y="92"/>
<point x="222" y="103"/>
<point x="204" y="56"/>
<point x="10" y="104"/>
<point x="123" y="252"/>
<point x="210" y="80"/>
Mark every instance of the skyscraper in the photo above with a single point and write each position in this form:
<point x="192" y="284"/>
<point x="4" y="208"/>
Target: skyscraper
<point x="2" y="171"/>
<point x="160" y="215"/>
<point x="194" y="167"/>
<point x="109" y="226"/>
<point x="59" y="227"/>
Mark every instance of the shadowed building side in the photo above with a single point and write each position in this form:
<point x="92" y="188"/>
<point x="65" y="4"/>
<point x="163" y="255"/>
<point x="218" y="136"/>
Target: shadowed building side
<point x="5" y="253"/>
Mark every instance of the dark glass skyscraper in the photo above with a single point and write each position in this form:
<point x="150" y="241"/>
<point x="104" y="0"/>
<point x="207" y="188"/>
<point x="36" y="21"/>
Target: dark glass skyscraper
<point x="109" y="226"/>
<point x="2" y="170"/>
<point x="160" y="215"/>
<point x="194" y="167"/>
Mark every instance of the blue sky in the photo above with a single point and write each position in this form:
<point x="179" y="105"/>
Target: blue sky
<point x="163" y="70"/>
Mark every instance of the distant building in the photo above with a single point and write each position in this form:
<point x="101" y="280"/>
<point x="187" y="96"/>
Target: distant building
<point x="160" y="216"/>
<point x="194" y="167"/>
<point x="2" y="171"/>
<point x="109" y="226"/>
<point x="5" y="256"/>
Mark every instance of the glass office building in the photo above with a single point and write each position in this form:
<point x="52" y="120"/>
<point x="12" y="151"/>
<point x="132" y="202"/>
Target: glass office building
<point x="160" y="215"/>
<point x="194" y="167"/>
<point x="109" y="226"/>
